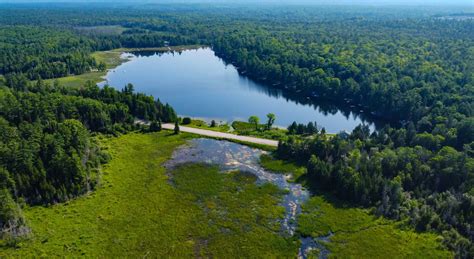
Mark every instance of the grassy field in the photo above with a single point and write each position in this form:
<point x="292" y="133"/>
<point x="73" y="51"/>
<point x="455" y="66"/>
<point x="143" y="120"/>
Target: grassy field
<point x="79" y="80"/>
<point x="237" y="218"/>
<point x="358" y="234"/>
<point x="200" y="124"/>
<point x="141" y="210"/>
<point x="281" y="166"/>
<point x="111" y="58"/>
<point x="248" y="129"/>
<point x="2" y="80"/>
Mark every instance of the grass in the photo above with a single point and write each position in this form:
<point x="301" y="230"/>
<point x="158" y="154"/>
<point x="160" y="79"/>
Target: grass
<point x="249" y="129"/>
<point x="281" y="166"/>
<point x="237" y="217"/>
<point x="78" y="81"/>
<point x="111" y="58"/>
<point x="126" y="215"/>
<point x="200" y="124"/>
<point x="139" y="211"/>
<point x="2" y="80"/>
<point x="253" y="145"/>
<point x="358" y="234"/>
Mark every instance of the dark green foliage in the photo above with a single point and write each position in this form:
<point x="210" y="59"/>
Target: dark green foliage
<point x="11" y="218"/>
<point x="12" y="223"/>
<point x="126" y="103"/>
<point x="155" y="126"/>
<point x="44" y="52"/>
<point x="255" y="121"/>
<point x="427" y="184"/>
<point x="176" y="128"/>
<point x="213" y="124"/>
<point x="301" y="129"/>
<point x="270" y="120"/>
<point x="186" y="121"/>
<point x="46" y="152"/>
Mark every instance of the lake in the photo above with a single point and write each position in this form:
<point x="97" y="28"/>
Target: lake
<point x="199" y="84"/>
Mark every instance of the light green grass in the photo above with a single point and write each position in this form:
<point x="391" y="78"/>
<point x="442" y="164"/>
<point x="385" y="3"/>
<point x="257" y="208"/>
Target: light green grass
<point x="141" y="210"/>
<point x="241" y="128"/>
<point x="200" y="124"/>
<point x="134" y="212"/>
<point x="78" y="80"/>
<point x="237" y="217"/>
<point x="281" y="166"/>
<point x="248" y="129"/>
<point x="358" y="234"/>
<point x="138" y="211"/>
<point x="111" y="58"/>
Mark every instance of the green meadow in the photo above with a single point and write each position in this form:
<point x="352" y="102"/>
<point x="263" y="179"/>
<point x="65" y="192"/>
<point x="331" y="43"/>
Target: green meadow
<point x="358" y="234"/>
<point x="142" y="210"/>
<point x="200" y="124"/>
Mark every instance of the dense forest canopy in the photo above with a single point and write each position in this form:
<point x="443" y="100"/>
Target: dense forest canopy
<point x="411" y="67"/>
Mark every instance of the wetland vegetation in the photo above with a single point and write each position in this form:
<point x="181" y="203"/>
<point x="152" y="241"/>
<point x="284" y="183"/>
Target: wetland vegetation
<point x="81" y="174"/>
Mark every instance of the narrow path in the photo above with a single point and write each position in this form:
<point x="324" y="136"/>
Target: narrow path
<point x="223" y="135"/>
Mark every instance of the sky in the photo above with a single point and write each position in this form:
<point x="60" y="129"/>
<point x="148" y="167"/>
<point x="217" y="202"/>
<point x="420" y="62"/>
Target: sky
<point x="370" y="2"/>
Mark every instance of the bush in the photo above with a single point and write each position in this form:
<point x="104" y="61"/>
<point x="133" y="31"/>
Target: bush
<point x="155" y="126"/>
<point x="186" y="121"/>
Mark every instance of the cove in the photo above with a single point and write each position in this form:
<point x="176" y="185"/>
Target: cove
<point x="199" y="84"/>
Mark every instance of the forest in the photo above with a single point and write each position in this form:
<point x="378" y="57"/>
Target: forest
<point x="47" y="150"/>
<point x="409" y="68"/>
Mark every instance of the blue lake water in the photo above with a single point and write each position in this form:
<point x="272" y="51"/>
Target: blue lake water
<point x="199" y="84"/>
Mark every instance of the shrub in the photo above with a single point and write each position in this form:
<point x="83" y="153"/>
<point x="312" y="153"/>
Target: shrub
<point x="186" y="121"/>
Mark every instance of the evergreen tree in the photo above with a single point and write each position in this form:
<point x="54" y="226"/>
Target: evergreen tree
<point x="176" y="128"/>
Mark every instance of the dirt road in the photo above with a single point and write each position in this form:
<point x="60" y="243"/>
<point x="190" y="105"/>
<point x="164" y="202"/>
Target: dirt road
<point x="222" y="135"/>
